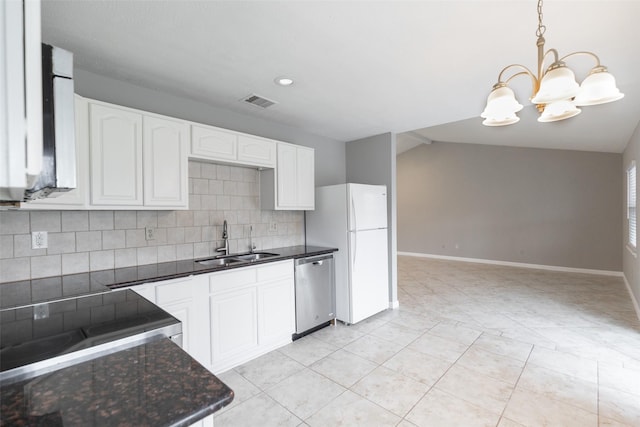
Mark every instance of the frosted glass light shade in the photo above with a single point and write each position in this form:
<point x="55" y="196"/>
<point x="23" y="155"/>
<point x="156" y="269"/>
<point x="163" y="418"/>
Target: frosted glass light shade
<point x="556" y="85"/>
<point x="501" y="108"/>
<point x="558" y="110"/>
<point x="598" y="88"/>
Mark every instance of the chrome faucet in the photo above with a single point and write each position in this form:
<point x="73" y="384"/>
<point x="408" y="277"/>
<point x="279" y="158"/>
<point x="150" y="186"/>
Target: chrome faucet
<point x="252" y="247"/>
<point x="225" y="237"/>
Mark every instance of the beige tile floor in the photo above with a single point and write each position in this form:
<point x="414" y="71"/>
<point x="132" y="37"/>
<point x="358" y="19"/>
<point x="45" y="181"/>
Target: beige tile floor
<point x="470" y="345"/>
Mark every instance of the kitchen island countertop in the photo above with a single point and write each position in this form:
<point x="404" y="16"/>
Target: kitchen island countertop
<point x="154" y="384"/>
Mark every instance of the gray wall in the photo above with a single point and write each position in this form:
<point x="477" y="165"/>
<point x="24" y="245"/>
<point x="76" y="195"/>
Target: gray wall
<point x="329" y="153"/>
<point x="537" y="206"/>
<point x="631" y="263"/>
<point x="373" y="161"/>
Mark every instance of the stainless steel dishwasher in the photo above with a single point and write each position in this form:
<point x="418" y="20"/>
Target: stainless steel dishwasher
<point x="315" y="293"/>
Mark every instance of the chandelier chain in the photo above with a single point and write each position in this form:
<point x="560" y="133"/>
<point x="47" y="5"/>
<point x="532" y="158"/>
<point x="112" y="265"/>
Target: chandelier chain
<point x="541" y="28"/>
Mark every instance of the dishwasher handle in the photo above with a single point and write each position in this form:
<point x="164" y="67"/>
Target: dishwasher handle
<point x="315" y="260"/>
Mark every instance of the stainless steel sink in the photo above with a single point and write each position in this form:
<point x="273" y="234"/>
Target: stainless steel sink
<point x="254" y="256"/>
<point x="234" y="259"/>
<point x="218" y="262"/>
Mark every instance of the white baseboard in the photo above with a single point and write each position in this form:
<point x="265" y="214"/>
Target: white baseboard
<point x="394" y="304"/>
<point x="516" y="264"/>
<point x="636" y="307"/>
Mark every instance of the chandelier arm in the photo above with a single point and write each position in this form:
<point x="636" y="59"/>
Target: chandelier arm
<point x="524" y="69"/>
<point x="583" y="52"/>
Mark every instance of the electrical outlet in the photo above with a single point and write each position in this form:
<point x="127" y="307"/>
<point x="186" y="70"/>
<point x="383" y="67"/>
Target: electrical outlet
<point x="150" y="233"/>
<point x="39" y="240"/>
<point x="273" y="226"/>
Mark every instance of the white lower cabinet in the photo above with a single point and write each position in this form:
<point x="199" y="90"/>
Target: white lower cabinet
<point x="234" y="324"/>
<point x="230" y="317"/>
<point x="252" y="312"/>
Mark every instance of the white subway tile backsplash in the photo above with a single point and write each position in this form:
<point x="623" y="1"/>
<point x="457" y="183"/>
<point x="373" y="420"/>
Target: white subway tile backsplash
<point x="61" y="243"/>
<point x="200" y="186"/>
<point x="101" y="220"/>
<point x="45" y="221"/>
<point x="249" y="175"/>
<point x="22" y="246"/>
<point x="235" y="173"/>
<point x="184" y="251"/>
<point x="223" y="203"/>
<point x="208" y="170"/>
<point x="147" y="255"/>
<point x="147" y="219"/>
<point x="216" y="187"/>
<point x="114" y="239"/>
<point x="46" y="266"/>
<point x="202" y="249"/>
<point x="230" y="188"/>
<point x="135" y="238"/>
<point x="75" y="263"/>
<point x="15" y="269"/>
<point x="192" y="234"/>
<point x="224" y="172"/>
<point x="195" y="169"/>
<point x="12" y="222"/>
<point x="101" y="260"/>
<point x="208" y="202"/>
<point x="125" y="220"/>
<point x="167" y="253"/>
<point x="200" y="218"/>
<point x="125" y="257"/>
<point x="175" y="235"/>
<point x="6" y="246"/>
<point x="167" y="219"/>
<point x="75" y="221"/>
<point x="87" y="241"/>
<point x="96" y="240"/>
<point x="184" y="218"/>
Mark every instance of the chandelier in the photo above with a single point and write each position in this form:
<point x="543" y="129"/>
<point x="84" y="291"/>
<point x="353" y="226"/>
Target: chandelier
<point x="556" y="93"/>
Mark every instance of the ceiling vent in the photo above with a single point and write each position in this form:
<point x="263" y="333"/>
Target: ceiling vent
<point x="258" y="101"/>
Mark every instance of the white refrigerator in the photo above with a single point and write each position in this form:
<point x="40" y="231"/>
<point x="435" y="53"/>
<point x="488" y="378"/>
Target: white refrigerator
<point x="353" y="218"/>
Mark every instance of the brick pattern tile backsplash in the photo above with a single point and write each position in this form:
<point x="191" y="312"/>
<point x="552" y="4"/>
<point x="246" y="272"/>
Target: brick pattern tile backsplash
<point x="81" y="241"/>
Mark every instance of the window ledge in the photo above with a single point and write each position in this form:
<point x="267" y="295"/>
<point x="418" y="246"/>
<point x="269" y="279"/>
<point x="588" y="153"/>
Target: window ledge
<point x="632" y="250"/>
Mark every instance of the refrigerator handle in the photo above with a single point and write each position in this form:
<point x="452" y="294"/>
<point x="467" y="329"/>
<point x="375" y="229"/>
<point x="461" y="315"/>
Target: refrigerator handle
<point x="355" y="217"/>
<point x="355" y="248"/>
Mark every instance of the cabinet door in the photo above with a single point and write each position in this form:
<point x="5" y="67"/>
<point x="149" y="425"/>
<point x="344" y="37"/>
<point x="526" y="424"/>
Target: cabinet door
<point x="286" y="176"/>
<point x="212" y="143"/>
<point x="165" y="162"/>
<point x="256" y="151"/>
<point x="233" y="324"/>
<point x="116" y="156"/>
<point x="276" y="311"/>
<point x="305" y="173"/>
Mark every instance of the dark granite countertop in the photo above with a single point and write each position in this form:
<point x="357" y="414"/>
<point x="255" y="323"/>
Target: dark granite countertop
<point x="155" y="384"/>
<point x="36" y="291"/>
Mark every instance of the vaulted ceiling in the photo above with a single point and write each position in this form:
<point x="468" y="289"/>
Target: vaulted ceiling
<point x="362" y="67"/>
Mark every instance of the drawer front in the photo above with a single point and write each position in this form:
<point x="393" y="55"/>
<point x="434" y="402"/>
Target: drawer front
<point x="276" y="270"/>
<point x="233" y="279"/>
<point x="176" y="290"/>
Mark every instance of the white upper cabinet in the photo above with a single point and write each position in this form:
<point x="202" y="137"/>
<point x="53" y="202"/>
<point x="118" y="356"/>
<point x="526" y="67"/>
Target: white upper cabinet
<point x="116" y="156"/>
<point x="211" y="143"/>
<point x="292" y="185"/>
<point x="225" y="146"/>
<point x="166" y="173"/>
<point x="138" y="160"/>
<point x="256" y="151"/>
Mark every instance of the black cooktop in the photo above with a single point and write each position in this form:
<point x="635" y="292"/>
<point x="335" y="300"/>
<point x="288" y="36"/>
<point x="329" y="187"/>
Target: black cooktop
<point x="40" y="332"/>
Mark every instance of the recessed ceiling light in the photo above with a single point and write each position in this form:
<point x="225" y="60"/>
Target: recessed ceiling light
<point x="283" y="81"/>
